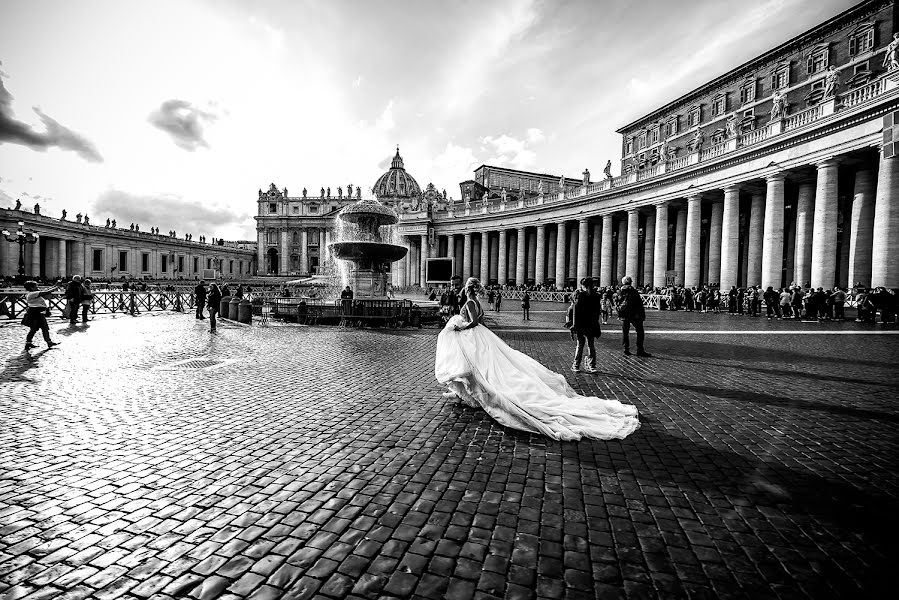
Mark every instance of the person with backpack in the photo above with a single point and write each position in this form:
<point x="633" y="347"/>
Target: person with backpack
<point x="631" y="312"/>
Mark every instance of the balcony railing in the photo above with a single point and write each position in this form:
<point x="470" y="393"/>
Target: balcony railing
<point x="713" y="151"/>
<point x="803" y="118"/>
<point x="677" y="163"/>
<point x="650" y="172"/>
<point x="756" y="136"/>
<point x="862" y="94"/>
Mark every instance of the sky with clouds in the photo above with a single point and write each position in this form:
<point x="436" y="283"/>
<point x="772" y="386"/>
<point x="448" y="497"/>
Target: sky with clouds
<point x="172" y="114"/>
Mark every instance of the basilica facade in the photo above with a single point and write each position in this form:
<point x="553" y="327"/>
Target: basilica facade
<point x="782" y="170"/>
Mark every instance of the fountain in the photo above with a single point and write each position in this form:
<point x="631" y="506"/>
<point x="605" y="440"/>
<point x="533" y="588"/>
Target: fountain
<point x="364" y="233"/>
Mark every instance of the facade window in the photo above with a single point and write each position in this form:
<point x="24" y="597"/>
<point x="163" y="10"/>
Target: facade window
<point x="747" y="91"/>
<point x="671" y="127"/>
<point x="97" y="259"/>
<point x="272" y="208"/>
<point x="164" y="267"/>
<point x="208" y="263"/>
<point x="296" y="237"/>
<point x="641" y="141"/>
<point x="144" y="262"/>
<point x="654" y="135"/>
<point x="862" y="40"/>
<point x="123" y="261"/>
<point x="296" y="210"/>
<point x="817" y="60"/>
<point x="181" y="264"/>
<point x="196" y="263"/>
<point x="313" y="208"/>
<point x="861" y="67"/>
<point x="749" y="114"/>
<point x="719" y="104"/>
<point x="780" y="76"/>
<point x="629" y="146"/>
<point x="240" y="267"/>
<point x="694" y="117"/>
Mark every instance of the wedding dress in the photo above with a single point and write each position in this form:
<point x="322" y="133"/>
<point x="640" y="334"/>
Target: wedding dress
<point x="518" y="391"/>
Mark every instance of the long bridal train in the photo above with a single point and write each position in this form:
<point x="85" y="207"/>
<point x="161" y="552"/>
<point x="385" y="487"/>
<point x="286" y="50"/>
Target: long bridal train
<point x="521" y="393"/>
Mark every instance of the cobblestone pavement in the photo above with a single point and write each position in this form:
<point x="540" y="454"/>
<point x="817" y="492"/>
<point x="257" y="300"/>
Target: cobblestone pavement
<point x="147" y="458"/>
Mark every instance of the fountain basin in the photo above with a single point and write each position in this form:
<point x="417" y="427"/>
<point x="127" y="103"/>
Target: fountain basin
<point x="360" y="251"/>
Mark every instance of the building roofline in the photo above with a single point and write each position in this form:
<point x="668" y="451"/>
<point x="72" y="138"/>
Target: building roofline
<point x="761" y="58"/>
<point x="550" y="175"/>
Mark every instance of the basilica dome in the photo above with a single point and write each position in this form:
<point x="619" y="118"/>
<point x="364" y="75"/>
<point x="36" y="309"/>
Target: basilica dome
<point x="396" y="183"/>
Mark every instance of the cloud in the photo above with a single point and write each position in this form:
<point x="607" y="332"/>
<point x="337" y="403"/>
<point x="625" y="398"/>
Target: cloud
<point x="183" y="121"/>
<point x="357" y="82"/>
<point x="508" y="150"/>
<point x="385" y="122"/>
<point x="56" y="135"/>
<point x="166" y="211"/>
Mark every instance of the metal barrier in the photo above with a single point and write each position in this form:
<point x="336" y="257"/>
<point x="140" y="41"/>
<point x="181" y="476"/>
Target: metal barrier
<point x="109" y="302"/>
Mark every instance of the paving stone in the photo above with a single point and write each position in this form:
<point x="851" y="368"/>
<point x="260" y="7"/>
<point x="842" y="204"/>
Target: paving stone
<point x="764" y="467"/>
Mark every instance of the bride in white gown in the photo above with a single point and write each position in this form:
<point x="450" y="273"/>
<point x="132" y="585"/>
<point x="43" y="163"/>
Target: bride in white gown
<point x="515" y="389"/>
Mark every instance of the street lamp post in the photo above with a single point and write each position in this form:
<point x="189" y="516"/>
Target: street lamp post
<point x="21" y="237"/>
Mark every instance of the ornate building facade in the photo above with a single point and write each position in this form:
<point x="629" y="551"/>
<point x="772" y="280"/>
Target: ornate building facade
<point x="76" y="247"/>
<point x="782" y="170"/>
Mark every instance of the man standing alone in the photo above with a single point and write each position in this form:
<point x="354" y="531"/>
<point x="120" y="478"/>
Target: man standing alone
<point x="585" y="324"/>
<point x="200" y="293"/>
<point x="631" y="312"/>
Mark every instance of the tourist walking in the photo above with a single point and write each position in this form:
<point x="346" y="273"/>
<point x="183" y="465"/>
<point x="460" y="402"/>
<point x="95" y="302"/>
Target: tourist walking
<point x="499" y="301"/>
<point x="200" y="294"/>
<point x="516" y="390"/>
<point x="73" y="298"/>
<point x="87" y="297"/>
<point x="526" y="307"/>
<point x="213" y="300"/>
<point x="491" y="296"/>
<point x="631" y="312"/>
<point x="584" y="324"/>
<point x="36" y="302"/>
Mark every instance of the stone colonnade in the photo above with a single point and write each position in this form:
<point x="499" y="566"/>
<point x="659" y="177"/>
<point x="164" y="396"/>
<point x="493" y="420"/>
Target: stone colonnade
<point x="791" y="227"/>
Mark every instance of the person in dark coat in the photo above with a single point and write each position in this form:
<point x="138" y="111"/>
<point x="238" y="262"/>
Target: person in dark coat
<point x="213" y="301"/>
<point x="526" y="307"/>
<point x="455" y="297"/>
<point x="631" y="312"/>
<point x="200" y="293"/>
<point x="73" y="298"/>
<point x="584" y="324"/>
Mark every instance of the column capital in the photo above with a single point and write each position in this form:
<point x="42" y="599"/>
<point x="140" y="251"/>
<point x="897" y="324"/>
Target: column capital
<point x="662" y="205"/>
<point x="733" y="187"/>
<point x="833" y="161"/>
<point x="635" y="209"/>
<point x="697" y="197"/>
<point x="778" y="176"/>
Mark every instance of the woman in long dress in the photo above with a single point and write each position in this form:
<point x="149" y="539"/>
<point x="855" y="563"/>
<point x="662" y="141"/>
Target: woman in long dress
<point x="515" y="389"/>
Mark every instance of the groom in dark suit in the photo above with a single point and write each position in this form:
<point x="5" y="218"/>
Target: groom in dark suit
<point x="585" y="313"/>
<point x="455" y="297"/>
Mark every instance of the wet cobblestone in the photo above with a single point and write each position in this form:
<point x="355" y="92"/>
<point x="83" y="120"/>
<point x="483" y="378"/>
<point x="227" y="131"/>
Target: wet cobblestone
<point x="145" y="458"/>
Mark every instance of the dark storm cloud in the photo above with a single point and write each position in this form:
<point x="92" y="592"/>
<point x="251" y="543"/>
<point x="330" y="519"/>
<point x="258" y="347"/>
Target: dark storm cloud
<point x="183" y="121"/>
<point x="164" y="211"/>
<point x="55" y="135"/>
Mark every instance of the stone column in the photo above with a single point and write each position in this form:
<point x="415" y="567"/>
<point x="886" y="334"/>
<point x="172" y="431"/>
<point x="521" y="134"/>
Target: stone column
<point x="621" y="264"/>
<point x="824" y="232"/>
<point x="63" y="259"/>
<point x="261" y="239"/>
<point x="520" y="256"/>
<point x="304" y="253"/>
<point x="597" y="251"/>
<point x="632" y="251"/>
<point x="884" y="265"/>
<point x="605" y="266"/>
<point x="692" y="253"/>
<point x="502" y="269"/>
<point x="466" y="256"/>
<point x="493" y="247"/>
<point x="715" y="239"/>
<point x="35" y="259"/>
<point x="680" y="247"/>
<point x="422" y="258"/>
<point x="540" y="262"/>
<point x="78" y="266"/>
<point x="561" y="247"/>
<point x="861" y="237"/>
<point x="484" y="272"/>
<point x="649" y="242"/>
<point x="660" y="249"/>
<point x="451" y="246"/>
<point x="754" y="251"/>
<point x="730" y="238"/>
<point x="773" y="240"/>
<point x="401" y="279"/>
<point x="583" y="257"/>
